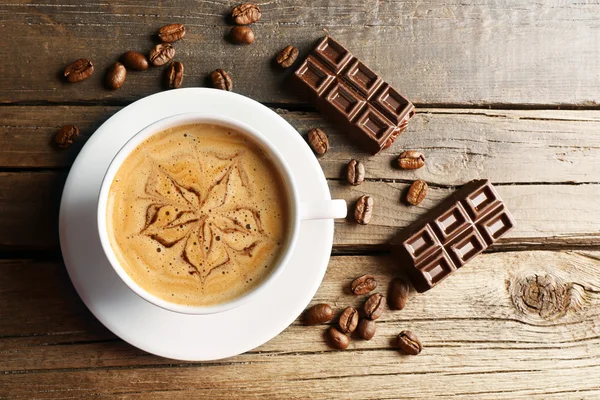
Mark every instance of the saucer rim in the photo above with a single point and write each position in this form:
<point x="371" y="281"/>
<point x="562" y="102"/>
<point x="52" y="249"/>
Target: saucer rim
<point x="324" y="228"/>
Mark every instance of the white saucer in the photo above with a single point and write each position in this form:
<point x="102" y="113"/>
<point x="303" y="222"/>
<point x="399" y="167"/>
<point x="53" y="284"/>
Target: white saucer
<point x="153" y="329"/>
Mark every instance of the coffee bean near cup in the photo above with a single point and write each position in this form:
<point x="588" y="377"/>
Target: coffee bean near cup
<point x="199" y="213"/>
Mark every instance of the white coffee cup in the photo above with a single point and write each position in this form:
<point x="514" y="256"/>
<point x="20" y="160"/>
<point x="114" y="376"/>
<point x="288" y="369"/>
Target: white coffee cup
<point x="324" y="209"/>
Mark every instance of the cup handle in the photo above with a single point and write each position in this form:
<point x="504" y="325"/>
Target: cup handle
<point x="323" y="209"/>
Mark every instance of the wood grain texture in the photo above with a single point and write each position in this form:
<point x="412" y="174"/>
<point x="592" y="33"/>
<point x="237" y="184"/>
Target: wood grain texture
<point x="450" y="52"/>
<point x="505" y="146"/>
<point x="29" y="212"/>
<point x="515" y="323"/>
<point x="546" y="152"/>
<point x="479" y="340"/>
<point x="29" y="204"/>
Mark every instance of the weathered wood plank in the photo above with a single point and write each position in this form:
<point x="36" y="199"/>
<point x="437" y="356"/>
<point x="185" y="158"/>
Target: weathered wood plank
<point x="27" y="133"/>
<point x="358" y="377"/>
<point x="29" y="204"/>
<point x="544" y="213"/>
<point x="482" y="339"/>
<point x="505" y="146"/>
<point x="452" y="52"/>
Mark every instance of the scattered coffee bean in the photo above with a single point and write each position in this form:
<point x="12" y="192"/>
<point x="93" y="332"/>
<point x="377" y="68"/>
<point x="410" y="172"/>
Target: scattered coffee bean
<point x="66" y="136"/>
<point x="79" y="70"/>
<point x="161" y="54"/>
<point x="286" y="57"/>
<point x="364" y="210"/>
<point x="366" y="329"/>
<point x="318" y="141"/>
<point x="411" y="160"/>
<point x="174" y="75"/>
<point x="398" y="294"/>
<point x="134" y="60"/>
<point x="221" y="80"/>
<point x="246" y="14"/>
<point x="374" y="306"/>
<point x="356" y="172"/>
<point x="337" y="339"/>
<point x="363" y="284"/>
<point x="115" y="76"/>
<point x="409" y="343"/>
<point x="241" y="35"/>
<point x="348" y="320"/>
<point x="318" y="314"/>
<point x="171" y="33"/>
<point x="417" y="192"/>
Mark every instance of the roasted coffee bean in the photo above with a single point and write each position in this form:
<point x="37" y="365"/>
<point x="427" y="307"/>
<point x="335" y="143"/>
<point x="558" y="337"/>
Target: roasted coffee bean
<point x="246" y="14"/>
<point x="318" y="314"/>
<point x="115" y="76"/>
<point x="318" y="141"/>
<point x="363" y="284"/>
<point x="171" y="33"/>
<point x="66" y="136"/>
<point x="374" y="306"/>
<point x="409" y="343"/>
<point x="356" y="172"/>
<point x="79" y="70"/>
<point x="174" y="75"/>
<point x="337" y="339"/>
<point x="348" y="320"/>
<point x="221" y="80"/>
<point x="134" y="60"/>
<point x="161" y="54"/>
<point x="364" y="210"/>
<point x="241" y="35"/>
<point x="411" y="160"/>
<point x="417" y="192"/>
<point x="398" y="294"/>
<point x="286" y="57"/>
<point x="366" y="328"/>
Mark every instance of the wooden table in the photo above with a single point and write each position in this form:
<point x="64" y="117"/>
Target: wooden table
<point x="506" y="90"/>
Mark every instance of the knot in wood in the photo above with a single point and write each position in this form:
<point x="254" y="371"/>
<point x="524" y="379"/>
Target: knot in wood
<point x="543" y="295"/>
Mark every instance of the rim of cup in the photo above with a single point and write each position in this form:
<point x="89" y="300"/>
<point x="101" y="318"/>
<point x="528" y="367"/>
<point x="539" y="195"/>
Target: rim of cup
<point x="190" y="119"/>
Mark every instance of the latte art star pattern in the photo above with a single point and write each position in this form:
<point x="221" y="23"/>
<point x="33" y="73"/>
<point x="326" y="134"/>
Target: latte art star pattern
<point x="198" y="215"/>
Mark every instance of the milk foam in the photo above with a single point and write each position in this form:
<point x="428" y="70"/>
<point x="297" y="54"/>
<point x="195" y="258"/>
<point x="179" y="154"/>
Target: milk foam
<point x="198" y="215"/>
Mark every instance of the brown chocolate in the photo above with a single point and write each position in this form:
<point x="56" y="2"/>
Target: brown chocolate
<point x="450" y="235"/>
<point x="353" y="96"/>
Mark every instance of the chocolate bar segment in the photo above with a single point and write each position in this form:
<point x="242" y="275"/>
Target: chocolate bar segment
<point x="344" y="101"/>
<point x="394" y="105"/>
<point x="353" y="96"/>
<point x="453" y="233"/>
<point x="315" y="77"/>
<point x="362" y="78"/>
<point x="333" y="54"/>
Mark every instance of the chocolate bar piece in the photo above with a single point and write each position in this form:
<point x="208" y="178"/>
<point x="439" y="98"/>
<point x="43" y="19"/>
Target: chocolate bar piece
<point x="446" y="238"/>
<point x="353" y="96"/>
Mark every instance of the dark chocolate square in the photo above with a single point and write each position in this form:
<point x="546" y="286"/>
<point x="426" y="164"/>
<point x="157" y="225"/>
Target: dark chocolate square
<point x="422" y="243"/>
<point x="437" y="267"/>
<point x="315" y="75"/>
<point x="465" y="246"/>
<point x="452" y="222"/>
<point x="333" y="54"/>
<point x="495" y="224"/>
<point x="393" y="104"/>
<point x="345" y="100"/>
<point x="481" y="201"/>
<point x="375" y="124"/>
<point x="362" y="78"/>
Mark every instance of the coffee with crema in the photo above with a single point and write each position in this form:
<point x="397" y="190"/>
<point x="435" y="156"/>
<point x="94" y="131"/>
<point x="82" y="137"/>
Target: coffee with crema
<point x="198" y="215"/>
